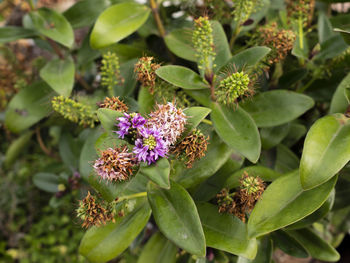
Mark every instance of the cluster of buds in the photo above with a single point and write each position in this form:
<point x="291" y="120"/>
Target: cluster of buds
<point x="233" y="87"/>
<point x="145" y="70"/>
<point x="95" y="212"/>
<point x="203" y="42"/>
<point x="192" y="147"/>
<point x="114" y="103"/>
<point x="244" y="199"/>
<point x="300" y="10"/>
<point x="110" y="71"/>
<point x="115" y="164"/>
<point x="280" y="41"/>
<point x="74" y="111"/>
<point x="244" y="8"/>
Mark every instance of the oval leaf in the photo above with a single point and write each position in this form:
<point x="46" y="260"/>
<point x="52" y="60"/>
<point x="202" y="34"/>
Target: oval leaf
<point x="226" y="232"/>
<point x="179" y="42"/>
<point x="59" y="74"/>
<point x="277" y="107"/>
<point x="16" y="148"/>
<point x="101" y="244"/>
<point x="181" y="77"/>
<point x="288" y="244"/>
<point x="326" y="150"/>
<point x="158" y="172"/>
<point x="12" y="33"/>
<point x="339" y="101"/>
<point x="117" y="22"/>
<point x="47" y="182"/>
<point x="277" y="208"/>
<point x="183" y="228"/>
<point x="222" y="48"/>
<point x="108" y="118"/>
<point x="236" y="128"/>
<point x="195" y="116"/>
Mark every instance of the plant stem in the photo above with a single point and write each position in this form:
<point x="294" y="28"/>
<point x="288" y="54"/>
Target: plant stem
<point x="207" y="121"/>
<point x="302" y="89"/>
<point x="235" y="35"/>
<point x="156" y="16"/>
<point x="42" y="145"/>
<point x="127" y="197"/>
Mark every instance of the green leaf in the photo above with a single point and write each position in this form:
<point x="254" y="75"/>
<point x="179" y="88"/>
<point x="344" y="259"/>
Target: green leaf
<point x="293" y="204"/>
<point x="272" y="136"/>
<point x="264" y="254"/>
<point x="179" y="42"/>
<point x="157" y="250"/>
<point x="288" y="244"/>
<point x="201" y="96"/>
<point x="181" y="77"/>
<point x="158" y="172"/>
<point x="286" y="160"/>
<point x="53" y="25"/>
<point x="85" y="12"/>
<point x="47" y="182"/>
<point x="247" y="58"/>
<point x="217" y="154"/>
<point x="108" y="118"/>
<point x="118" y="22"/>
<point x="195" y="116"/>
<point x="339" y="101"/>
<point x="145" y="101"/>
<point x="276" y="107"/>
<point x="177" y="218"/>
<point x="324" y="28"/>
<point x="101" y="244"/>
<point x="221" y="46"/>
<point x="315" y="245"/>
<point x="326" y="150"/>
<point x="12" y="33"/>
<point x="69" y="149"/>
<point x="16" y="148"/>
<point x="226" y="232"/>
<point x="236" y="128"/>
<point x="332" y="47"/>
<point x="345" y="34"/>
<point x="296" y="132"/>
<point x="59" y="74"/>
<point x="28" y="106"/>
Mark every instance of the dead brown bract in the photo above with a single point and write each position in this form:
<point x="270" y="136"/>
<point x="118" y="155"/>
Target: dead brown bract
<point x="114" y="103"/>
<point x="146" y="72"/>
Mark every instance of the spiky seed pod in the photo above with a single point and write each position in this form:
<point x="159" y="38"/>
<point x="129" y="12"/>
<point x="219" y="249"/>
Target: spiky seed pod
<point x="244" y="8"/>
<point x="193" y="147"/>
<point x="302" y="10"/>
<point x="146" y="72"/>
<point x="95" y="212"/>
<point x="169" y="121"/>
<point x="115" y="164"/>
<point x="280" y="41"/>
<point x="203" y="42"/>
<point x="74" y="111"/>
<point x="114" y="103"/>
<point x="233" y="87"/>
<point x="110" y="71"/>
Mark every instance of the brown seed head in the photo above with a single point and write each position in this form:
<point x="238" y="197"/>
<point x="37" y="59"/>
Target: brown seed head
<point x="114" y="103"/>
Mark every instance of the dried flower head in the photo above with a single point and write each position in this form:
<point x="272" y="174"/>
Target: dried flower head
<point x="150" y="146"/>
<point x="244" y="8"/>
<point x="74" y="111"/>
<point x="203" y="42"/>
<point x="169" y="121"/>
<point x="114" y="103"/>
<point x="233" y="87"/>
<point x="146" y="72"/>
<point x="110" y="71"/>
<point x="129" y="125"/>
<point x="280" y="41"/>
<point x="95" y="212"/>
<point x="115" y="164"/>
<point x="192" y="147"/>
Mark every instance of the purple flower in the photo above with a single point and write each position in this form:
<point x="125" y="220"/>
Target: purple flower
<point x="149" y="146"/>
<point x="129" y="121"/>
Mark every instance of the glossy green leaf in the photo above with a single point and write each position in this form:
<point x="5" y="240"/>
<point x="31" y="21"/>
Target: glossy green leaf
<point x="85" y="12"/>
<point x="158" y="172"/>
<point x="276" y="107"/>
<point x="264" y="254"/>
<point x="46" y="181"/>
<point x="345" y="34"/>
<point x="296" y="132"/>
<point x="286" y="160"/>
<point x="236" y="128"/>
<point x="53" y="25"/>
<point x="158" y="250"/>
<point x="118" y="22"/>
<point x="245" y="59"/>
<point x="326" y="150"/>
<point x="217" y="154"/>
<point x="177" y="217"/>
<point x="16" y="148"/>
<point x="145" y="101"/>
<point x="226" y="232"/>
<point x="59" y="74"/>
<point x="293" y="204"/>
<point x="195" y="116"/>
<point x="324" y="28"/>
<point x="108" y="118"/>
<point x="101" y="244"/>
<point x="28" y="106"/>
<point x="315" y="245"/>
<point x="339" y="101"/>
<point x="288" y="244"/>
<point x="272" y="136"/>
<point x="201" y="96"/>
<point x="12" y="33"/>
<point x="181" y="77"/>
<point x="221" y="46"/>
<point x="332" y="47"/>
<point x="179" y="42"/>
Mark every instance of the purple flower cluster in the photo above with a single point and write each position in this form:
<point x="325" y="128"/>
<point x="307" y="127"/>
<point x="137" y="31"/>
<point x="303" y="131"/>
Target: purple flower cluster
<point x="128" y="122"/>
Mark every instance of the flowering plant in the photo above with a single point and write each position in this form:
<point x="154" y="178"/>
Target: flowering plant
<point x="200" y="131"/>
